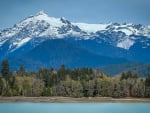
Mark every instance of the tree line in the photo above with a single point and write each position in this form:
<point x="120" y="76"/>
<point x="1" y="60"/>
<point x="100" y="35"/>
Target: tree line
<point x="78" y="82"/>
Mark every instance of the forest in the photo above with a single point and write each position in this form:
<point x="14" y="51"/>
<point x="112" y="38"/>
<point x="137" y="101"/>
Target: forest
<point x="77" y="82"/>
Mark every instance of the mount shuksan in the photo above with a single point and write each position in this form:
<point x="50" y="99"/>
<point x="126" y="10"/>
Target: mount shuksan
<point x="128" y="41"/>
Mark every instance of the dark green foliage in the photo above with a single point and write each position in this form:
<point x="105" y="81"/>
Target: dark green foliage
<point x="5" y="69"/>
<point x="1" y="86"/>
<point x="22" y="71"/>
<point x="147" y="86"/>
<point x="47" y="91"/>
<point x="147" y="81"/>
<point x="78" y="82"/>
<point x="128" y="74"/>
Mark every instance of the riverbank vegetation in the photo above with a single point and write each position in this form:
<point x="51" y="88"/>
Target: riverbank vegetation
<point x="78" y="82"/>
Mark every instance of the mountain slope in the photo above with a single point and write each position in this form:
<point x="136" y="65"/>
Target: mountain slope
<point x="57" y="52"/>
<point x="136" y="53"/>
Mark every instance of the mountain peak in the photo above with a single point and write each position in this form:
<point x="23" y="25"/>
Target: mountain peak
<point x="64" y="20"/>
<point x="41" y="13"/>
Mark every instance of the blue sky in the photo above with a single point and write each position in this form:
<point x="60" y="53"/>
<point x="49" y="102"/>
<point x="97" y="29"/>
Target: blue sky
<point x="91" y="11"/>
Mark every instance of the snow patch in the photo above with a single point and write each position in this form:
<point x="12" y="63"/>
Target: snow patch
<point x="148" y="44"/>
<point x="22" y="42"/>
<point x="19" y="43"/>
<point x="125" y="44"/>
<point x="91" y="27"/>
<point x="126" y="31"/>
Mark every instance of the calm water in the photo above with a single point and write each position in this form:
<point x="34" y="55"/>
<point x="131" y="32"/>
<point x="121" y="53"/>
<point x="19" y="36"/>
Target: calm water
<point x="74" y="107"/>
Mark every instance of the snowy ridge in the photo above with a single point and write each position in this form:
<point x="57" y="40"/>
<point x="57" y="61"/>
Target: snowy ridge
<point x="91" y="28"/>
<point x="128" y="29"/>
<point x="41" y="25"/>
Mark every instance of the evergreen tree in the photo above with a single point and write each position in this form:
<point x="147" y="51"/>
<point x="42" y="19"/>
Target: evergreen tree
<point x="123" y="76"/>
<point x="22" y="70"/>
<point x="147" y="81"/>
<point x="5" y="71"/>
<point x="1" y="86"/>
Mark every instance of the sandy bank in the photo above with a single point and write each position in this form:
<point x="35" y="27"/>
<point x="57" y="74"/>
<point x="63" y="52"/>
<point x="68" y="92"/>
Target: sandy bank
<point x="72" y="100"/>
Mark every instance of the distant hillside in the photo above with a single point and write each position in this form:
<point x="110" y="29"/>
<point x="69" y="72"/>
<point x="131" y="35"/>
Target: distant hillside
<point x="141" y="68"/>
<point x="53" y="53"/>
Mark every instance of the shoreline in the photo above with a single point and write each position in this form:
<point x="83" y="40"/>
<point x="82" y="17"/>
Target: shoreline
<point x="74" y="100"/>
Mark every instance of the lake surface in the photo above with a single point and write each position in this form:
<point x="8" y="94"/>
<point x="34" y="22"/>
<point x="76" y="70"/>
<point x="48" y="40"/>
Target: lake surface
<point x="74" y="107"/>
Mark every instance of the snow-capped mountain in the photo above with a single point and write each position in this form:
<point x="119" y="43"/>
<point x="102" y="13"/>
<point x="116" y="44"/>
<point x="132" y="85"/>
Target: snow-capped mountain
<point x="123" y="32"/>
<point x="126" y="40"/>
<point x="41" y="25"/>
